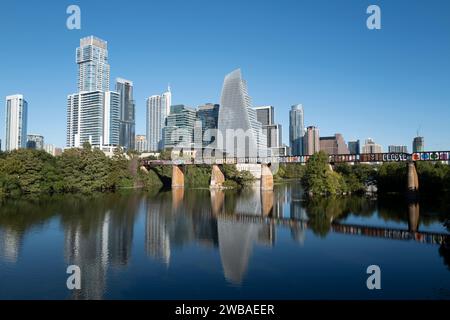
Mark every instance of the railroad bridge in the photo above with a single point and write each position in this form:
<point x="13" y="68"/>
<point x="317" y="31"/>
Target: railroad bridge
<point x="217" y="177"/>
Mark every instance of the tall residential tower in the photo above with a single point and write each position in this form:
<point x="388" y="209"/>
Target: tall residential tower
<point x="296" y="130"/>
<point x="158" y="108"/>
<point x="16" y="122"/>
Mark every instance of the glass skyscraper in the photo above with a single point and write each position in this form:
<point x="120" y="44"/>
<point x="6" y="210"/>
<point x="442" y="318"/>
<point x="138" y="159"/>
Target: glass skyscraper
<point x="16" y="122"/>
<point x="240" y="132"/>
<point x="296" y="130"/>
<point x="179" y="129"/>
<point x="93" y="67"/>
<point x="127" y="114"/>
<point x="207" y="117"/>
<point x="158" y="108"/>
<point x="93" y="114"/>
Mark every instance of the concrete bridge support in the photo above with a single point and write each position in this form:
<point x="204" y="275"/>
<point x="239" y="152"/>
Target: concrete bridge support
<point x="177" y="177"/>
<point x="217" y="178"/>
<point x="266" y="178"/>
<point x="413" y="178"/>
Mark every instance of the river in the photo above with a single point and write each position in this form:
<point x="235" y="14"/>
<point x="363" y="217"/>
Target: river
<point x="201" y="244"/>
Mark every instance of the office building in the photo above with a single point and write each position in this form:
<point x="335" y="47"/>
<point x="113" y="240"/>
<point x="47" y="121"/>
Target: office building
<point x="35" y="141"/>
<point x="333" y="144"/>
<point x="371" y="147"/>
<point x="240" y="133"/>
<point x="127" y="114"/>
<point x="158" y="108"/>
<point x="311" y="141"/>
<point x="16" y="122"/>
<point x="297" y="130"/>
<point x="419" y="144"/>
<point x="141" y="143"/>
<point x="354" y="147"/>
<point x="273" y="132"/>
<point x="207" y="119"/>
<point x="179" y="129"/>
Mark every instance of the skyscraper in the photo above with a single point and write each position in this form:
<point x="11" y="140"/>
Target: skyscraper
<point x="272" y="131"/>
<point x="179" y="129"/>
<point x="265" y="115"/>
<point x="311" y="141"/>
<point x="418" y="144"/>
<point x="35" y="141"/>
<point x="16" y="122"/>
<point x="333" y="144"/>
<point x="93" y="114"/>
<point x="296" y="130"/>
<point x="208" y="117"/>
<point x="371" y="147"/>
<point x="141" y="143"/>
<point x="93" y="117"/>
<point x="158" y="108"/>
<point x="93" y="67"/>
<point x="127" y="113"/>
<point x="354" y="147"/>
<point x="240" y="132"/>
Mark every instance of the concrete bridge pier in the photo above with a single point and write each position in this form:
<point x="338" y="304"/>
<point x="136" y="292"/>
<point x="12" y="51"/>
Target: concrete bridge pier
<point x="217" y="178"/>
<point x="177" y="177"/>
<point x="266" y="178"/>
<point x="413" y="178"/>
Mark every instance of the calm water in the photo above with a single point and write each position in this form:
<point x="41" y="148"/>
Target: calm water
<point x="206" y="245"/>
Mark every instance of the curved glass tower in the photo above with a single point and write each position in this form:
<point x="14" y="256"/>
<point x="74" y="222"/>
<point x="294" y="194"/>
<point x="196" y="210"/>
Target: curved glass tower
<point x="241" y="133"/>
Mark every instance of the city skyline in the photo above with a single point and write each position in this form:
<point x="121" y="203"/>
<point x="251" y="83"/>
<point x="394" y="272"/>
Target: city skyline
<point x="328" y="98"/>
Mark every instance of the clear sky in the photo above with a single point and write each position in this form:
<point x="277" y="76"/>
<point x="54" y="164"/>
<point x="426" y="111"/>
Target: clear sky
<point x="383" y="84"/>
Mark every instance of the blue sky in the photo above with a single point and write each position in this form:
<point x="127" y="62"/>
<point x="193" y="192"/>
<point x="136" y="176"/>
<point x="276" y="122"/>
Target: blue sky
<point x="383" y="84"/>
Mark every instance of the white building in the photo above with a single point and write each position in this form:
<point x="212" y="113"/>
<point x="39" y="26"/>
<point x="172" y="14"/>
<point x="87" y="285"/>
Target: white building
<point x="371" y="147"/>
<point x="158" y="108"/>
<point x="240" y="134"/>
<point x="93" y="114"/>
<point x="93" y="117"/>
<point x="16" y="122"/>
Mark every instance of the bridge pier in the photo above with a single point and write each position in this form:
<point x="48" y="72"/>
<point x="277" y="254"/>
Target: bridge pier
<point x="266" y="178"/>
<point x="177" y="177"/>
<point x="217" y="178"/>
<point x="413" y="178"/>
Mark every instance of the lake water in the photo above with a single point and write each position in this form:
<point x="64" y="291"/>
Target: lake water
<point x="201" y="244"/>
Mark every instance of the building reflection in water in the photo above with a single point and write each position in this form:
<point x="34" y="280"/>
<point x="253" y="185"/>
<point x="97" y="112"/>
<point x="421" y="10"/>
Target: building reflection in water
<point x="10" y="244"/>
<point x="98" y="233"/>
<point x="100" y="239"/>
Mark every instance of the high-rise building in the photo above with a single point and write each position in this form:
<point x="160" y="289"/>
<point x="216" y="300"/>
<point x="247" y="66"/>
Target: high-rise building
<point x="354" y="147"/>
<point x="207" y="118"/>
<point x="35" y="141"/>
<point x="240" y="133"/>
<point x="272" y="131"/>
<point x="297" y="130"/>
<point x="93" y="117"/>
<point x="158" y="108"/>
<point x="127" y="114"/>
<point x="371" y="147"/>
<point x="93" y="114"/>
<point x="311" y="141"/>
<point x="16" y="122"/>
<point x="141" y="143"/>
<point x="179" y="129"/>
<point x="93" y="67"/>
<point x="418" y="144"/>
<point x="265" y="115"/>
<point x="333" y="144"/>
<point x="397" y="149"/>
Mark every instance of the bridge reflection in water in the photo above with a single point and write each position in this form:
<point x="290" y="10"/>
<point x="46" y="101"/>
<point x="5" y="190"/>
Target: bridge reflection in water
<point x="98" y="233"/>
<point x="235" y="223"/>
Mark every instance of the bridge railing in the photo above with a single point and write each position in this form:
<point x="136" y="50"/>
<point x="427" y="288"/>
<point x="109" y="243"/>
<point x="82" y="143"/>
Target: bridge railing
<point x="336" y="158"/>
